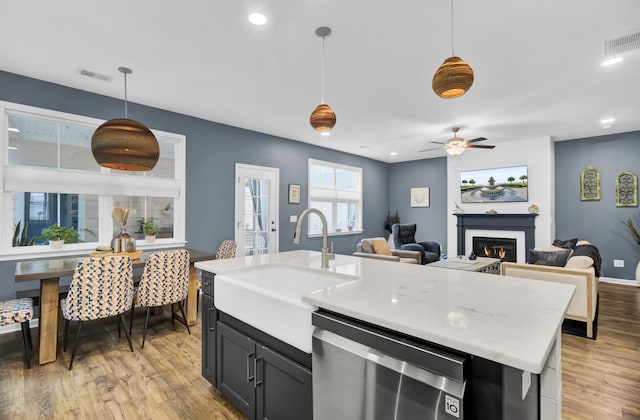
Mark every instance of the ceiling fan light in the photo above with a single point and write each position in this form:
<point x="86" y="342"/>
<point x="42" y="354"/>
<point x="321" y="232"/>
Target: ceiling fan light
<point x="323" y="118"/>
<point x="125" y="144"/>
<point x="453" y="78"/>
<point x="455" y="146"/>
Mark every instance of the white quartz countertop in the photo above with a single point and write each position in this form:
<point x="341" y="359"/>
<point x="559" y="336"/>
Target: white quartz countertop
<point x="506" y="319"/>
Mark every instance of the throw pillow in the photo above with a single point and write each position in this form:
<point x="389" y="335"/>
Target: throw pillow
<point x="367" y="247"/>
<point x="568" y="244"/>
<point x="553" y="258"/>
<point x="381" y="246"/>
<point x="579" y="261"/>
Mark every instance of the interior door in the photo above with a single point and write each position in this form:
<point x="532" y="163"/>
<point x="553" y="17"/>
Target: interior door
<point x="256" y="209"/>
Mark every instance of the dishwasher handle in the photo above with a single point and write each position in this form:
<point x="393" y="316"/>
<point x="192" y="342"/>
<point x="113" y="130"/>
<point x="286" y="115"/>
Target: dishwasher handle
<point x="443" y="383"/>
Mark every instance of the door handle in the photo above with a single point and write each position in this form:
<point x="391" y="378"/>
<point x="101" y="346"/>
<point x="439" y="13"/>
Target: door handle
<point x="211" y="329"/>
<point x="250" y="377"/>
<point x="273" y="230"/>
<point x="255" y="371"/>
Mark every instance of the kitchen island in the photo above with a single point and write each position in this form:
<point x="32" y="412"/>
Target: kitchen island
<point x="508" y="321"/>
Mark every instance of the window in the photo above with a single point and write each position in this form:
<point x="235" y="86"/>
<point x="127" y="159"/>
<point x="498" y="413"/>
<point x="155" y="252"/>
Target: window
<point x="335" y="190"/>
<point x="49" y="176"/>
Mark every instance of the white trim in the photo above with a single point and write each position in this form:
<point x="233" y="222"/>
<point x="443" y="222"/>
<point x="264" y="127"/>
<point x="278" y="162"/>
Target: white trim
<point x="614" y="280"/>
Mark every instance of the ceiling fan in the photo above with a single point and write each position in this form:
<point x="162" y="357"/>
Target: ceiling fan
<point x="456" y="145"/>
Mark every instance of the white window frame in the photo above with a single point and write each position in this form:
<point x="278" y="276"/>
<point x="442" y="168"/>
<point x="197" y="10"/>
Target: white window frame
<point x="104" y="184"/>
<point x="334" y="195"/>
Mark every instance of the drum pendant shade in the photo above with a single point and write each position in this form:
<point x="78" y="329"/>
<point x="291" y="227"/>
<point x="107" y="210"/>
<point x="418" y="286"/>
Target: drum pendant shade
<point x="323" y="118"/>
<point x="452" y="79"/>
<point x="125" y="144"/>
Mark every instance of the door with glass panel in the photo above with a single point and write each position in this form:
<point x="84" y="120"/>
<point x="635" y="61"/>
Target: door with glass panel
<point x="256" y="209"/>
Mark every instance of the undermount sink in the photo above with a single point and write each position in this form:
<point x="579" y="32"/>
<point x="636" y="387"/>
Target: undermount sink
<point x="269" y="298"/>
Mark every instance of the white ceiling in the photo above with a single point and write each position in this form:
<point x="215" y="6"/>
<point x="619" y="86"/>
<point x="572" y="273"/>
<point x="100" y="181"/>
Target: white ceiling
<point x="537" y="65"/>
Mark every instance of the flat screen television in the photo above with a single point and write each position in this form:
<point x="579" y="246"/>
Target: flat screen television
<point x="497" y="185"/>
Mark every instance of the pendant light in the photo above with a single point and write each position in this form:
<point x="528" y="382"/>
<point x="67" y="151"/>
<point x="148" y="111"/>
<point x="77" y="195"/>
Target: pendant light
<point x="454" y="77"/>
<point x="125" y="144"/>
<point x="323" y="118"/>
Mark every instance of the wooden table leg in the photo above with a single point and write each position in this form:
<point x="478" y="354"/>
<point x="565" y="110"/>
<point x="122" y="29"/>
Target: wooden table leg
<point x="48" y="322"/>
<point x="192" y="297"/>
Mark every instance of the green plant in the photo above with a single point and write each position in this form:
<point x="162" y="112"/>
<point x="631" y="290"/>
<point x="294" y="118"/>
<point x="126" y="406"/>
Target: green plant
<point x="149" y="227"/>
<point x="632" y="229"/>
<point x="20" y="236"/>
<point x="390" y="220"/>
<point x="59" y="233"/>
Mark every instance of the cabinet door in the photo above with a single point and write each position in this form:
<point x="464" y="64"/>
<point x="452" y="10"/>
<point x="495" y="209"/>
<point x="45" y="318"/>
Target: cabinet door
<point x="209" y="320"/>
<point x="235" y="368"/>
<point x="283" y="387"/>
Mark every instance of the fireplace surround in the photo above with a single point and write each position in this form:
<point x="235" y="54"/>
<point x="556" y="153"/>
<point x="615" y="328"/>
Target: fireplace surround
<point x="524" y="222"/>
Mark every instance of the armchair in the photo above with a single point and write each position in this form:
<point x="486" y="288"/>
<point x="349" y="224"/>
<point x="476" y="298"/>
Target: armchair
<point x="404" y="239"/>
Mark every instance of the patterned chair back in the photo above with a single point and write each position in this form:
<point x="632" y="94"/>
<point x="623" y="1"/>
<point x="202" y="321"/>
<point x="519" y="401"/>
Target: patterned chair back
<point x="227" y="249"/>
<point x="101" y="287"/>
<point x="165" y="279"/>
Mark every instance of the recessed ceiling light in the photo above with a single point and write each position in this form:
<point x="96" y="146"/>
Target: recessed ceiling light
<point x="257" y="19"/>
<point x="12" y="148"/>
<point x="393" y="153"/>
<point x="14" y="130"/>
<point x="606" y="121"/>
<point x="325" y="133"/>
<point x="612" y="61"/>
<point x="606" y="126"/>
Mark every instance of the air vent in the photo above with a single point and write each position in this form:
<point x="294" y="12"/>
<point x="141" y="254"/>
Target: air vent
<point x="623" y="44"/>
<point x="95" y="75"/>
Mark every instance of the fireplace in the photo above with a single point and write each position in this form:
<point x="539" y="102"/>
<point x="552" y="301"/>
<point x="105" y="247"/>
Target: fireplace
<point x="503" y="248"/>
<point x="519" y="226"/>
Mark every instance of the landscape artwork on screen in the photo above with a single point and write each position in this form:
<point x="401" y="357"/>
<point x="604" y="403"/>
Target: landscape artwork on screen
<point x="494" y="185"/>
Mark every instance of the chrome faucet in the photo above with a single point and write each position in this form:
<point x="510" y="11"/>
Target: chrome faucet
<point x="326" y="255"/>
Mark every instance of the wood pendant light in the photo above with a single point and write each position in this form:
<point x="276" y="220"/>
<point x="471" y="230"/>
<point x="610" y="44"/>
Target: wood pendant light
<point x="323" y="118"/>
<point x="125" y="144"/>
<point x="453" y="78"/>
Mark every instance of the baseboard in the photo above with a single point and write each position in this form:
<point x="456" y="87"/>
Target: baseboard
<point x="614" y="280"/>
<point x="6" y="329"/>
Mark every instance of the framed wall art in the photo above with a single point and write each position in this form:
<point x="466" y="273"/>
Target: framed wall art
<point x="627" y="189"/>
<point x="590" y="184"/>
<point x="294" y="193"/>
<point x="494" y="185"/>
<point x="420" y="197"/>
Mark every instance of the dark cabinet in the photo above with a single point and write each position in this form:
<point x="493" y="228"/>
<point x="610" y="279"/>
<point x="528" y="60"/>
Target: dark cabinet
<point x="259" y="381"/>
<point x="209" y="324"/>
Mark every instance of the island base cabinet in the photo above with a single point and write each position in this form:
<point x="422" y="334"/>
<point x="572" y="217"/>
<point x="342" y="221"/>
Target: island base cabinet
<point x="209" y="320"/>
<point x="260" y="382"/>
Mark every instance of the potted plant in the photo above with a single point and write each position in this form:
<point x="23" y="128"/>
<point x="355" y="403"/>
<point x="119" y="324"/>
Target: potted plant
<point x="390" y="220"/>
<point x="150" y="230"/>
<point x="636" y="237"/>
<point x="20" y="237"/>
<point x="58" y="235"/>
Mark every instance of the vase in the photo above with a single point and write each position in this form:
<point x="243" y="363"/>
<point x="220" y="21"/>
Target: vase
<point x="150" y="239"/>
<point x="123" y="242"/>
<point x="56" y="244"/>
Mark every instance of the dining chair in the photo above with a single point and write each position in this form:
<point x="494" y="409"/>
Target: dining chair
<point x="101" y="287"/>
<point x="164" y="281"/>
<point x="227" y="249"/>
<point x="19" y="311"/>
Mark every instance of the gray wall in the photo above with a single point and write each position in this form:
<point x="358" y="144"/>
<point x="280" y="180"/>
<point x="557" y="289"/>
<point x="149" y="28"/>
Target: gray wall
<point x="212" y="151"/>
<point x="599" y="222"/>
<point x="432" y="220"/>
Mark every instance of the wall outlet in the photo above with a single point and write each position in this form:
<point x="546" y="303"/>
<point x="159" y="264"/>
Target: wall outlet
<point x="618" y="263"/>
<point x="293" y="219"/>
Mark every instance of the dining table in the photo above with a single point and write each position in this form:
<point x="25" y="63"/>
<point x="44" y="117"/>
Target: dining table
<point x="50" y="270"/>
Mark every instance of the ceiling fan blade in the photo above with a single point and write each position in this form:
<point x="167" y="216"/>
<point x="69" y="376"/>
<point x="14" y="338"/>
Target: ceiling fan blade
<point x="428" y="150"/>
<point x="480" y="146"/>
<point x="436" y="142"/>
<point x="476" y="139"/>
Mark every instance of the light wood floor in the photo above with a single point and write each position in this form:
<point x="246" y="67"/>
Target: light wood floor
<point x="601" y="378"/>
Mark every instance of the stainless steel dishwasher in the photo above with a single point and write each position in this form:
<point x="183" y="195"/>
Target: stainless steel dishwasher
<point x="377" y="374"/>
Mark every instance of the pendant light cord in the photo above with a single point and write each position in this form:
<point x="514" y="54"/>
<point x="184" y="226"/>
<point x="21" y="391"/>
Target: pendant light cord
<point x="322" y="93"/>
<point x="125" y="95"/>
<point x="452" y="53"/>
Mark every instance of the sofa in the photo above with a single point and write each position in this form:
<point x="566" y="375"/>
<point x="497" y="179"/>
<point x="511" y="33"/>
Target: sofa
<point x="379" y="249"/>
<point x="582" y="269"/>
